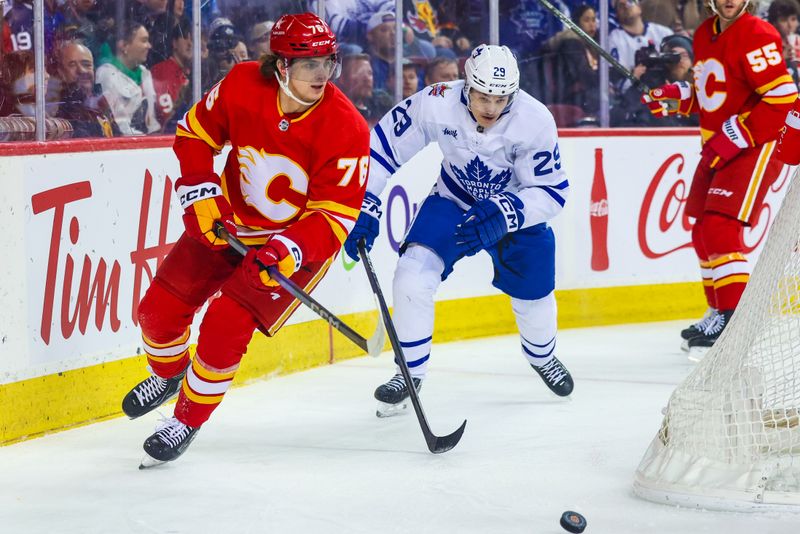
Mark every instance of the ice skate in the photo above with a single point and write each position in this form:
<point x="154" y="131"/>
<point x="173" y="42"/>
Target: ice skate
<point x="697" y="328"/>
<point x="169" y="442"/>
<point x="556" y="377"/>
<point x="150" y="393"/>
<point x="392" y="395"/>
<point x="699" y="345"/>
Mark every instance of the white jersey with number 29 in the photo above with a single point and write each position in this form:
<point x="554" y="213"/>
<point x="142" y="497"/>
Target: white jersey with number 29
<point x="518" y="154"/>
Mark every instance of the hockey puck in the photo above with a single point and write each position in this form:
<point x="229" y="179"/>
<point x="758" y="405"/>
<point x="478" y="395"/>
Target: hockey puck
<point x="573" y="522"/>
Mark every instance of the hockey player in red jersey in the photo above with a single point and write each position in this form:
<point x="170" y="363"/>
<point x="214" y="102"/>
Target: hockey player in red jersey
<point x="742" y="92"/>
<point x="292" y="188"/>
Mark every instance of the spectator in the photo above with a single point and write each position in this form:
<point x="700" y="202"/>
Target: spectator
<point x="673" y="64"/>
<point x="356" y="82"/>
<point x="410" y="78"/>
<point x="80" y="23"/>
<point x="783" y="15"/>
<point x="171" y="79"/>
<point x="127" y="84"/>
<point x="18" y="25"/>
<point x="79" y="102"/>
<point x="258" y="38"/>
<point x="159" y="23"/>
<point x="380" y="39"/>
<point x="414" y="46"/>
<point x="632" y="35"/>
<point x="349" y="20"/>
<point x="18" y="86"/>
<point x="579" y="82"/>
<point x="681" y="16"/>
<point x="226" y="48"/>
<point x="441" y="69"/>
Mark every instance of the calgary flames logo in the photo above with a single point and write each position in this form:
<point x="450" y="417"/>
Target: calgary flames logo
<point x="273" y="184"/>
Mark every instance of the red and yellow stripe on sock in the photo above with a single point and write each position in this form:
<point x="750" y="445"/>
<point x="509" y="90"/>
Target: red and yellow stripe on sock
<point x="731" y="273"/>
<point x="167" y="359"/>
<point x="202" y="390"/>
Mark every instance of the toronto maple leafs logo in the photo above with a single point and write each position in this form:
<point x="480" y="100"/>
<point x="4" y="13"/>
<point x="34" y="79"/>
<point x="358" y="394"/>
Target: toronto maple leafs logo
<point x="478" y="180"/>
<point x="438" y="89"/>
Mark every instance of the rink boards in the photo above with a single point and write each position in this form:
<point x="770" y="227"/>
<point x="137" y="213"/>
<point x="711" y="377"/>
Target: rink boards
<point x="84" y="232"/>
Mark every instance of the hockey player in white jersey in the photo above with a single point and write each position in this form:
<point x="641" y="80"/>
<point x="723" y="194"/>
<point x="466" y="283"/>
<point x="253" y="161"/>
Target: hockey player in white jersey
<point x="501" y="180"/>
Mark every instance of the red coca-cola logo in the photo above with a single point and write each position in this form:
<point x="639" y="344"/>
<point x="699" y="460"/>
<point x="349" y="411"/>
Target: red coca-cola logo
<point x="663" y="207"/>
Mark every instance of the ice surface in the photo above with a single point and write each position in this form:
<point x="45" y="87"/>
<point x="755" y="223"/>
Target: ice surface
<point x="305" y="453"/>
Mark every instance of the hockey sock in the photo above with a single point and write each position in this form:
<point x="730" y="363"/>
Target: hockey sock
<point x="536" y="320"/>
<point x="165" y="320"/>
<point x="418" y="275"/>
<point x="722" y="236"/>
<point x="705" y="265"/>
<point x="224" y="334"/>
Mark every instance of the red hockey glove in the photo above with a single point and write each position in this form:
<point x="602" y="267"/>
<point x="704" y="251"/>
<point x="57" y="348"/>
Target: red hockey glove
<point x="726" y="144"/>
<point x="203" y="204"/>
<point x="670" y="99"/>
<point x="789" y="144"/>
<point x="280" y="252"/>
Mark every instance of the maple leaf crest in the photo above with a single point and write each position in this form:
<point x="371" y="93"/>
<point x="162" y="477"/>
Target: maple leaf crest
<point x="478" y="180"/>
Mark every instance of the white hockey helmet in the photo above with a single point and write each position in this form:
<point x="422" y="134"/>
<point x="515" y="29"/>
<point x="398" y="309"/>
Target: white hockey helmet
<point x="492" y="70"/>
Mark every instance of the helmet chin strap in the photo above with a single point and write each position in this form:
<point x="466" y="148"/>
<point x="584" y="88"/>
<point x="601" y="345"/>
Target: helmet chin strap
<point x="713" y="6"/>
<point x="285" y="86"/>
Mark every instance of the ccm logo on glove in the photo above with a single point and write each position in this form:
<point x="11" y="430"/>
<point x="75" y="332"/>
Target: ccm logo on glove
<point x="188" y="195"/>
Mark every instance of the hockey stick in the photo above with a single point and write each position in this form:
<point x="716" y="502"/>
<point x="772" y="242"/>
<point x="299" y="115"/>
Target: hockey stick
<point x="436" y="444"/>
<point x="599" y="49"/>
<point x="371" y="346"/>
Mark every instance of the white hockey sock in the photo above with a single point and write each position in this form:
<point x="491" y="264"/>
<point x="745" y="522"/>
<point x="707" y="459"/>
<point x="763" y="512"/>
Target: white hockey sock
<point x="536" y="320"/>
<point x="418" y="275"/>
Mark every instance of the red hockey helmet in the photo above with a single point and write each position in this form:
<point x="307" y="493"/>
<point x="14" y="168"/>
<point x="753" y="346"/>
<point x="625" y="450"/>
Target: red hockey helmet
<point x="303" y="35"/>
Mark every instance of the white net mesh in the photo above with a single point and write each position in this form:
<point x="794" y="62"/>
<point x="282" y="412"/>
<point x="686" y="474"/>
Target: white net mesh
<point x="730" y="438"/>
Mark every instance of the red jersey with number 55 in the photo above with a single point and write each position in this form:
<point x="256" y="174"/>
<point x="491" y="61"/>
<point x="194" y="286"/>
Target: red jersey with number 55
<point x="302" y="175"/>
<point x="740" y="71"/>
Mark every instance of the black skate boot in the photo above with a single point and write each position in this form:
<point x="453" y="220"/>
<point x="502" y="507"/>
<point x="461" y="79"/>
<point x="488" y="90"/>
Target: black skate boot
<point x="392" y="395"/>
<point x="170" y="440"/>
<point x="699" y="345"/>
<point x="697" y="328"/>
<point x="556" y="377"/>
<point x="150" y="393"/>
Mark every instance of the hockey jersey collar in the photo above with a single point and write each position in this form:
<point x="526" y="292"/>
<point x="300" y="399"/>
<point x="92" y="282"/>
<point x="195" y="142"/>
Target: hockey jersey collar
<point x="304" y="114"/>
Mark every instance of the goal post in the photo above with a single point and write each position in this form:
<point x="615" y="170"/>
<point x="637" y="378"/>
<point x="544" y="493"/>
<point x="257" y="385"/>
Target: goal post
<point x="730" y="437"/>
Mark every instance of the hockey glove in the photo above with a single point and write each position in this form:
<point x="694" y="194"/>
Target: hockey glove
<point x="726" y="144"/>
<point x="203" y="203"/>
<point x="367" y="226"/>
<point x="279" y="252"/>
<point x="670" y="99"/>
<point x="488" y="221"/>
<point x="789" y="144"/>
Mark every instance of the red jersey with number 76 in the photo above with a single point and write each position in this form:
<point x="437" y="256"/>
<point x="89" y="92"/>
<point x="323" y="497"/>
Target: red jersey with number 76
<point x="740" y="71"/>
<point x="301" y="175"/>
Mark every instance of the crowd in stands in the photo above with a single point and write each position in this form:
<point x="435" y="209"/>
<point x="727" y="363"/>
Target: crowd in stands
<point x="124" y="67"/>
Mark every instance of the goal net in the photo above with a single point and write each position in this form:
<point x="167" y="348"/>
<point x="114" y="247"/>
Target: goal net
<point x="730" y="437"/>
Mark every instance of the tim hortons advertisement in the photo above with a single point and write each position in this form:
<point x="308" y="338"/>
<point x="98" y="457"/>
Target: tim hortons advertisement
<point x="92" y="228"/>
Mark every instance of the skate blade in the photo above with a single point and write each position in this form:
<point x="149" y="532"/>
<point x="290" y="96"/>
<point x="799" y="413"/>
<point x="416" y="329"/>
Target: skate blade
<point x="685" y="345"/>
<point x="148" y="462"/>
<point x="696" y="354"/>
<point x="390" y="410"/>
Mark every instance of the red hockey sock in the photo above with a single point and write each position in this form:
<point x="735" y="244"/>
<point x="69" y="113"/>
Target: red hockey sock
<point x="705" y="265"/>
<point x="224" y="334"/>
<point x="723" y="239"/>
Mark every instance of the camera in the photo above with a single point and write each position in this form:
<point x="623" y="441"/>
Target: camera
<point x="653" y="59"/>
<point x="223" y="39"/>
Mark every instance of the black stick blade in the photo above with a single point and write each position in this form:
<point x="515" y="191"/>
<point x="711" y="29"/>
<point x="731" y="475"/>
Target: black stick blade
<point x="440" y="444"/>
